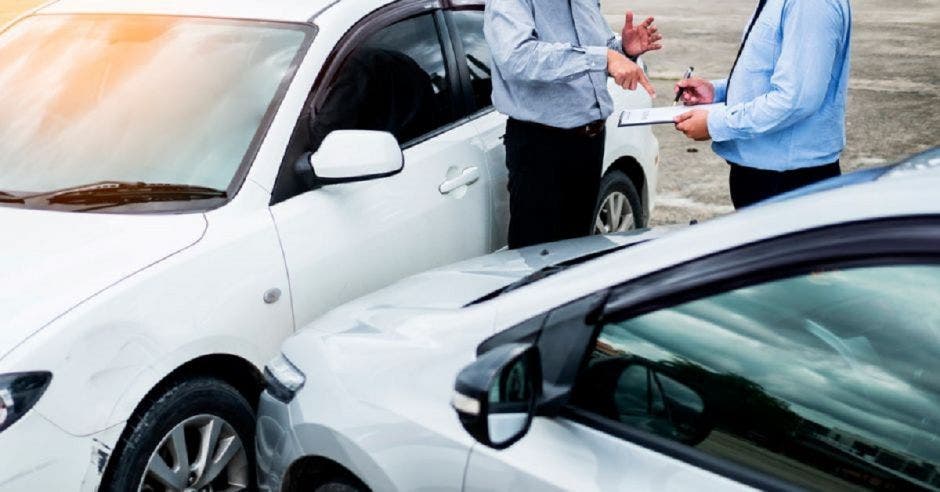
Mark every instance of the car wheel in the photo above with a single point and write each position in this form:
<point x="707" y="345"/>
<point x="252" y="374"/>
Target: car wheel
<point x="619" y="207"/>
<point x="339" y="485"/>
<point x="198" y="435"/>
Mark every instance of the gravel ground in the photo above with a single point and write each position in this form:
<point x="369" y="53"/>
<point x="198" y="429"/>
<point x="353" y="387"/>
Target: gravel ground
<point x="893" y="98"/>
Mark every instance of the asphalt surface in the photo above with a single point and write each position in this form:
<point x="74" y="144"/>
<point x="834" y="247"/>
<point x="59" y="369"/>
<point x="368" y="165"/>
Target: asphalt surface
<point x="894" y="99"/>
<point x="894" y="95"/>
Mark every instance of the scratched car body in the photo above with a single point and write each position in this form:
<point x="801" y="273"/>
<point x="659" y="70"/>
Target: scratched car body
<point x="179" y="190"/>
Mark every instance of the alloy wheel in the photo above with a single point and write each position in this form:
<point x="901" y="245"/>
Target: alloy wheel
<point x="202" y="453"/>
<point x="615" y="215"/>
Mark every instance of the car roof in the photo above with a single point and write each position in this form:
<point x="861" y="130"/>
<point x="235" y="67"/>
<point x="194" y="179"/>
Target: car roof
<point x="920" y="162"/>
<point x="272" y="10"/>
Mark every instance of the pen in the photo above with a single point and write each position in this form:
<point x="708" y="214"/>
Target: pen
<point x="687" y="76"/>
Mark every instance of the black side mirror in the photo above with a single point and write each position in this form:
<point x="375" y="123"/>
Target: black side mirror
<point x="495" y="396"/>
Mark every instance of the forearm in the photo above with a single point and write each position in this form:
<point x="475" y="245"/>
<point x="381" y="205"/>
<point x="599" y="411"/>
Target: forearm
<point x="549" y="62"/>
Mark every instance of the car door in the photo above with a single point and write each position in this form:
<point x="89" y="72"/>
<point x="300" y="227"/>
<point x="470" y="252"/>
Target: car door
<point x="475" y="65"/>
<point x="342" y="241"/>
<point x="801" y="363"/>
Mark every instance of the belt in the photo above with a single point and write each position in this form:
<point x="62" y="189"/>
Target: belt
<point x="592" y="129"/>
<point x="589" y="130"/>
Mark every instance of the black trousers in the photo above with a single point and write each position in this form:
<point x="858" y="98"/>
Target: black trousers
<point x="554" y="179"/>
<point x="750" y="185"/>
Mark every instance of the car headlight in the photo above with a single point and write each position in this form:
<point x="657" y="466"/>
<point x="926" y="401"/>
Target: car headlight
<point x="283" y="379"/>
<point x="18" y="393"/>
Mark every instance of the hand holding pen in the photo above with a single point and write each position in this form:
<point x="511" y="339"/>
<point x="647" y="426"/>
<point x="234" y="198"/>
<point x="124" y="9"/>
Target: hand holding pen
<point x="680" y="90"/>
<point x="694" y="90"/>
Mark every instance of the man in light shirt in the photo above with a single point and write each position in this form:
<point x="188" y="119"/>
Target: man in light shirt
<point x="551" y="60"/>
<point x="783" y="125"/>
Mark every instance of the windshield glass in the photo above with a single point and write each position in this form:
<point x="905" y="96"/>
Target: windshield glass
<point x="89" y="98"/>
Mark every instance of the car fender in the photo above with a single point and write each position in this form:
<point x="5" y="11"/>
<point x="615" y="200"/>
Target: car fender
<point x="107" y="353"/>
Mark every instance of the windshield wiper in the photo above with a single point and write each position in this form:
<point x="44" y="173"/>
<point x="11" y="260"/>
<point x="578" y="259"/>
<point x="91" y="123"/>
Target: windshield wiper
<point x="10" y="198"/>
<point x="119" y="193"/>
<point x="551" y="270"/>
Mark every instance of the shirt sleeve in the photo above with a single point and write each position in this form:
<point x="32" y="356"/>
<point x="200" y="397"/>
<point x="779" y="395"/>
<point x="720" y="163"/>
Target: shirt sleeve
<point x="520" y="55"/>
<point x="616" y="43"/>
<point x="721" y="90"/>
<point x="801" y="76"/>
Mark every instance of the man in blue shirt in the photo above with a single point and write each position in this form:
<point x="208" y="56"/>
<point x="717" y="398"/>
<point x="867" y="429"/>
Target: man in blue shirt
<point x="551" y="63"/>
<point x="783" y="125"/>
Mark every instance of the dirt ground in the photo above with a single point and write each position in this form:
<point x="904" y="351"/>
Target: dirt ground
<point x="893" y="99"/>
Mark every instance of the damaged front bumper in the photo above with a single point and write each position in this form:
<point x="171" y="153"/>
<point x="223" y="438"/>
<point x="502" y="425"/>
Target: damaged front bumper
<point x="35" y="454"/>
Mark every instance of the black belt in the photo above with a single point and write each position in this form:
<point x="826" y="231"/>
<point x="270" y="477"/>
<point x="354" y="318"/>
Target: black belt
<point x="589" y="130"/>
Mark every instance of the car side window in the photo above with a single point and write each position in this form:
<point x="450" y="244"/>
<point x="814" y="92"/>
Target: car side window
<point x="396" y="81"/>
<point x="827" y="381"/>
<point x="477" y="53"/>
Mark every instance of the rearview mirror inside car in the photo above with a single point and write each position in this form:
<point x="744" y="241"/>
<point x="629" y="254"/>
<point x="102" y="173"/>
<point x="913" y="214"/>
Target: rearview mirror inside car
<point x="495" y="396"/>
<point x="347" y="156"/>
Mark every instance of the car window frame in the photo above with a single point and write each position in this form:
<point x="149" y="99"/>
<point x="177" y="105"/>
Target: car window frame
<point x="461" y="59"/>
<point x="360" y="32"/>
<point x="889" y="242"/>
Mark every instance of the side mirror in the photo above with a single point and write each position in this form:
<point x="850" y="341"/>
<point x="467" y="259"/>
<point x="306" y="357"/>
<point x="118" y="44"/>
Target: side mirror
<point x="347" y="156"/>
<point x="495" y="396"/>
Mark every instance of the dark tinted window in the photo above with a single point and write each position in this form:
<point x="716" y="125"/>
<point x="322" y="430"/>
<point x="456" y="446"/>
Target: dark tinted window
<point x="470" y="26"/>
<point x="829" y="381"/>
<point x="396" y="81"/>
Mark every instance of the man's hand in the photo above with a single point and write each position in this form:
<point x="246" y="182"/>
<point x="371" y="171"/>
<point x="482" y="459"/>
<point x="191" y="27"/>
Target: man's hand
<point x="642" y="38"/>
<point x="626" y="73"/>
<point x="697" y="91"/>
<point x="694" y="124"/>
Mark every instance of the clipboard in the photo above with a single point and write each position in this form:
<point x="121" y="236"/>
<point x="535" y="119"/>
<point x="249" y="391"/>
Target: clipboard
<point x="657" y="116"/>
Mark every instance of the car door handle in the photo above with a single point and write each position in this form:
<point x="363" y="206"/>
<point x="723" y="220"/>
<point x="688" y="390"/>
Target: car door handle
<point x="467" y="177"/>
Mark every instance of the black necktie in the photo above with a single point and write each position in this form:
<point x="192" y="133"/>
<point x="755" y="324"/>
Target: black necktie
<point x="760" y="8"/>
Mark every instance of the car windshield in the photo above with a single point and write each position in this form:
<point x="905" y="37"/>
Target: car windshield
<point x="137" y="99"/>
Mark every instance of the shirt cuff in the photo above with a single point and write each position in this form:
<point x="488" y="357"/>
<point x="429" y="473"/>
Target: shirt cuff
<point x="718" y="127"/>
<point x="721" y="90"/>
<point x="597" y="58"/>
<point x="616" y="43"/>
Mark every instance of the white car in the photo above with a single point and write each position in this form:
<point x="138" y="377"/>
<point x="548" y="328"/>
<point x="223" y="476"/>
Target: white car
<point x="164" y="227"/>
<point x="791" y="346"/>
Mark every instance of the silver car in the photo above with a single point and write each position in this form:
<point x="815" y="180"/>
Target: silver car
<point x="793" y="345"/>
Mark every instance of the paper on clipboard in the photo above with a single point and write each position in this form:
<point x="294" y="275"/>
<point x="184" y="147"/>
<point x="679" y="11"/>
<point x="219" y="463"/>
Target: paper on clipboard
<point x="657" y="116"/>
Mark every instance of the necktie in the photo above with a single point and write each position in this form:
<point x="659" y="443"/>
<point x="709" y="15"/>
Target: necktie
<point x="760" y="8"/>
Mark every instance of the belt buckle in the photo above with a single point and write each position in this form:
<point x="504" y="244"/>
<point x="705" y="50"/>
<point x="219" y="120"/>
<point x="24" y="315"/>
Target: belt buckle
<point x="591" y="131"/>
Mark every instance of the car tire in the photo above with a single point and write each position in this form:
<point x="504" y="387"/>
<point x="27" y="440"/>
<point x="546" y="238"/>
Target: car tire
<point x="617" y="192"/>
<point x="198" y="413"/>
<point x="339" y="485"/>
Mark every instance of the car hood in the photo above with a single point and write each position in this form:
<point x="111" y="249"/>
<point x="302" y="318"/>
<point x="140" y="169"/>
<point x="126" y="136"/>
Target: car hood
<point x="416" y="331"/>
<point x="455" y="286"/>
<point x="52" y="261"/>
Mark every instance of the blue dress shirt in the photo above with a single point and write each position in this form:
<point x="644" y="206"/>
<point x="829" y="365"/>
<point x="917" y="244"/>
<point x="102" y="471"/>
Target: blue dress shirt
<point x="550" y="62"/>
<point x="786" y="106"/>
